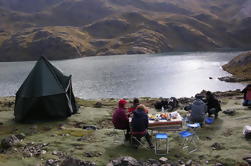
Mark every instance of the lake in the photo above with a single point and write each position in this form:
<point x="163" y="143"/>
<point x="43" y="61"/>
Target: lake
<point x="153" y="75"/>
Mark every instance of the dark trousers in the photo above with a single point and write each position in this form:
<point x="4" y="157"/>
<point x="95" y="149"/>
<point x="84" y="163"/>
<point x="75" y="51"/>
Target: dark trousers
<point x="213" y="111"/>
<point x="138" y="137"/>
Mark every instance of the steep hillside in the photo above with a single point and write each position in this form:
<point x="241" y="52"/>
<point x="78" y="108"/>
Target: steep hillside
<point x="51" y="42"/>
<point x="122" y="27"/>
<point x="240" y="66"/>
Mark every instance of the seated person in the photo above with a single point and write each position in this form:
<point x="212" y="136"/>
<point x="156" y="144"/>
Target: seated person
<point x="213" y="105"/>
<point x="197" y="110"/>
<point x="135" y="104"/>
<point x="139" y="126"/>
<point x="120" y="118"/>
<point x="247" y="95"/>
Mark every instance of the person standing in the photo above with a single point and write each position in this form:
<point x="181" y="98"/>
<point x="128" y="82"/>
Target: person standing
<point x="120" y="118"/>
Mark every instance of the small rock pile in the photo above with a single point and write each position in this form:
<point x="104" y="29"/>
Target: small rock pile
<point x="68" y="162"/>
<point x="130" y="161"/>
<point x="31" y="149"/>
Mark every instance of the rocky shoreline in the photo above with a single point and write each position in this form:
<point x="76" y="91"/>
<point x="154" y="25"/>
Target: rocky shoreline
<point x="240" y="67"/>
<point x="87" y="139"/>
<point x="234" y="79"/>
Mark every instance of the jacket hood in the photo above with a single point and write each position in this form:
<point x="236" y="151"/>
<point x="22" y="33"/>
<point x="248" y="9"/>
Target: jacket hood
<point x="138" y="113"/>
<point x="198" y="102"/>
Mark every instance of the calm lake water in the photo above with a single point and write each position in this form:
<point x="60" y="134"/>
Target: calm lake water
<point x="153" y="75"/>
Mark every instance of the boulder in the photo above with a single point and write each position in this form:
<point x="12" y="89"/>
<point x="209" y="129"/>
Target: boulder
<point x="189" y="163"/>
<point x="163" y="160"/>
<point x="98" y="105"/>
<point x="9" y="142"/>
<point x="124" y="161"/>
<point x="52" y="162"/>
<point x="230" y="112"/>
<point x="247" y="158"/>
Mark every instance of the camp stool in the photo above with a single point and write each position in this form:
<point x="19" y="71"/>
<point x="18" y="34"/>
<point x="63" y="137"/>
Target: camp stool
<point x="189" y="142"/>
<point x="194" y="127"/>
<point x="161" y="139"/>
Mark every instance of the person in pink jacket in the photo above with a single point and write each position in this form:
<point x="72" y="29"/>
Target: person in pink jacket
<point x="120" y="118"/>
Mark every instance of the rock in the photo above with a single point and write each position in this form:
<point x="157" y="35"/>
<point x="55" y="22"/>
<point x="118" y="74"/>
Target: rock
<point x="54" y="152"/>
<point x="152" y="162"/>
<point x="166" y="164"/>
<point x="163" y="160"/>
<point x="90" y="127"/>
<point x="208" y="138"/>
<point x="125" y="161"/>
<point x="61" y="127"/>
<point x="98" y="105"/>
<point x="34" y="127"/>
<point x="219" y="164"/>
<point x="189" y="163"/>
<point x="129" y="161"/>
<point x="247" y="158"/>
<point x="230" y="112"/>
<point x="43" y="152"/>
<point x="217" y="146"/>
<point x="248" y="161"/>
<point x="233" y="79"/>
<point x="20" y="136"/>
<point x="210" y="78"/>
<point x="9" y="142"/>
<point x="52" y="162"/>
<point x="76" y="162"/>
<point x="92" y="154"/>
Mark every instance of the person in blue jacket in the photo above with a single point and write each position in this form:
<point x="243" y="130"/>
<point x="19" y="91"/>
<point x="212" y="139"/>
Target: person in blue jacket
<point x="139" y="126"/>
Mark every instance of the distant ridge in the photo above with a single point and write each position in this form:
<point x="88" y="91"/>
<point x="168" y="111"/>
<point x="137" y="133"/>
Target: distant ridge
<point x="61" y="29"/>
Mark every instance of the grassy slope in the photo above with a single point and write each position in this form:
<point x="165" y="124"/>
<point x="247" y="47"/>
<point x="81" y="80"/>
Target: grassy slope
<point x="227" y="130"/>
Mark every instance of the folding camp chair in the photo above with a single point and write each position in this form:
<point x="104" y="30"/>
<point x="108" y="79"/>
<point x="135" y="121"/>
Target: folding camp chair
<point x="190" y="138"/>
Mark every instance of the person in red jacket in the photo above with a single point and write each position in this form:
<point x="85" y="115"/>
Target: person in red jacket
<point x="120" y="118"/>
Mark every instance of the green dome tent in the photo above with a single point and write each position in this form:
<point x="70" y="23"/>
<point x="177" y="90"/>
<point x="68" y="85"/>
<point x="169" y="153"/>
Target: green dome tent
<point x="46" y="94"/>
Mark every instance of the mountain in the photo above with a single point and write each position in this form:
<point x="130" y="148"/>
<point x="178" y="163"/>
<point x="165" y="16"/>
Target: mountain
<point x="240" y="66"/>
<point x="106" y="27"/>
